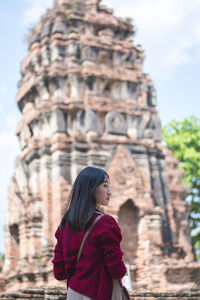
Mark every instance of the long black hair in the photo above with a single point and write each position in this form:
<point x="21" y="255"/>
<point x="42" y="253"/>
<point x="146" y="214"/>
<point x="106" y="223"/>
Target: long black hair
<point x="82" y="202"/>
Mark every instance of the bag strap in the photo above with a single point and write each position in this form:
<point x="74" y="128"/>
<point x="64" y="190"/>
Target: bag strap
<point x="86" y="235"/>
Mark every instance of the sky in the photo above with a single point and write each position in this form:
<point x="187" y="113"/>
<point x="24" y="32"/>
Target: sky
<point x="167" y="30"/>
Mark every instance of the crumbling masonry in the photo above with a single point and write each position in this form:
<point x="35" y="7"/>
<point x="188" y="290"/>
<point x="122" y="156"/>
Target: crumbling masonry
<point x="86" y="101"/>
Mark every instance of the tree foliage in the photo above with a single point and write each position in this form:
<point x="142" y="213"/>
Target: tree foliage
<point x="183" y="138"/>
<point x="2" y="256"/>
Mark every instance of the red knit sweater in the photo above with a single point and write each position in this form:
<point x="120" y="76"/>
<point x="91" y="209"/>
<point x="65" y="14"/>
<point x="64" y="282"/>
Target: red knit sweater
<point x="100" y="262"/>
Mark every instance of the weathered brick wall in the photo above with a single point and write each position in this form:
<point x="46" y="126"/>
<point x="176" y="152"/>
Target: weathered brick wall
<point x="60" y="294"/>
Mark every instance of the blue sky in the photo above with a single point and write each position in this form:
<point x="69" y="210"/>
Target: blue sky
<point x="169" y="32"/>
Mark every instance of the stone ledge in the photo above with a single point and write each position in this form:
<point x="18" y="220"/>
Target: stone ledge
<point x="60" y="294"/>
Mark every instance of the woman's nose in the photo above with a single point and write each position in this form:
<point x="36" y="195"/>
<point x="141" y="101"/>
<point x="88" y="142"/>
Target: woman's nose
<point x="109" y="192"/>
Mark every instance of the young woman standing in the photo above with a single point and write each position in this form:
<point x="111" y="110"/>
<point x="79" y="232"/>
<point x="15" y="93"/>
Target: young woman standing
<point x="97" y="273"/>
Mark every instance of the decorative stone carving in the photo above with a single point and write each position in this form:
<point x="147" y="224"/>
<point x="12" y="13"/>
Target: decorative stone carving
<point x="59" y="27"/>
<point x="91" y="121"/>
<point x="43" y="90"/>
<point x="143" y="124"/>
<point x="21" y="174"/>
<point x="46" y="30"/>
<point x="115" y="123"/>
<point x="157" y="129"/>
<point x="151" y="96"/>
<point x="24" y="137"/>
<point x="58" y="121"/>
<point x="45" y="56"/>
<point x="132" y="130"/>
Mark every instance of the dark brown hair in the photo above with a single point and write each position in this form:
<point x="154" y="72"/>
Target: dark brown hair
<point x="82" y="202"/>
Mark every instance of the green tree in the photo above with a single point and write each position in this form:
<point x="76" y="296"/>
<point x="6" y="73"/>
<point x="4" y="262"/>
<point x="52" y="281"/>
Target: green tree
<point x="2" y="256"/>
<point x="183" y="138"/>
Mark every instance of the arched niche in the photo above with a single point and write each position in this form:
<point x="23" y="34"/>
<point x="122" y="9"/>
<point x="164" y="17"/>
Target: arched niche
<point x="128" y="219"/>
<point x="14" y="244"/>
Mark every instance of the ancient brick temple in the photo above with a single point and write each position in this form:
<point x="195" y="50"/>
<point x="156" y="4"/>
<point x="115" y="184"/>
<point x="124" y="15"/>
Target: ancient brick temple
<point x="86" y="101"/>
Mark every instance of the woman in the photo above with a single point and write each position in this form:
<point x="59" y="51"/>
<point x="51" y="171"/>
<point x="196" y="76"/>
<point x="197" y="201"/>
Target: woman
<point x="97" y="273"/>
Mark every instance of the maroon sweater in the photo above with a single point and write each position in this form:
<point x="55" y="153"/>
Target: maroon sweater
<point x="100" y="262"/>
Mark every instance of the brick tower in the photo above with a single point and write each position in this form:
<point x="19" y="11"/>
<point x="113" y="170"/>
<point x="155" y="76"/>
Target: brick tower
<point x="86" y="101"/>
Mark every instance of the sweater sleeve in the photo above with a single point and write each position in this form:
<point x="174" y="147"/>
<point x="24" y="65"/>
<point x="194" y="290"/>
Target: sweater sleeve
<point x="110" y="243"/>
<point x="58" y="261"/>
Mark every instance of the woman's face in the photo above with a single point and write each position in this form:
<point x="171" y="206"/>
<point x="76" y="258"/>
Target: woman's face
<point x="102" y="193"/>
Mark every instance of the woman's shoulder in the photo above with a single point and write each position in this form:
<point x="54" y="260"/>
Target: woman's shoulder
<point x="106" y="220"/>
<point x="107" y="228"/>
<point x="58" y="232"/>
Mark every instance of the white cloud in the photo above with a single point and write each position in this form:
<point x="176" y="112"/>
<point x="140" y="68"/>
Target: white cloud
<point x="34" y="11"/>
<point x="1" y="107"/>
<point x="8" y="145"/>
<point x="169" y="31"/>
<point x="11" y="122"/>
<point x="9" y="149"/>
